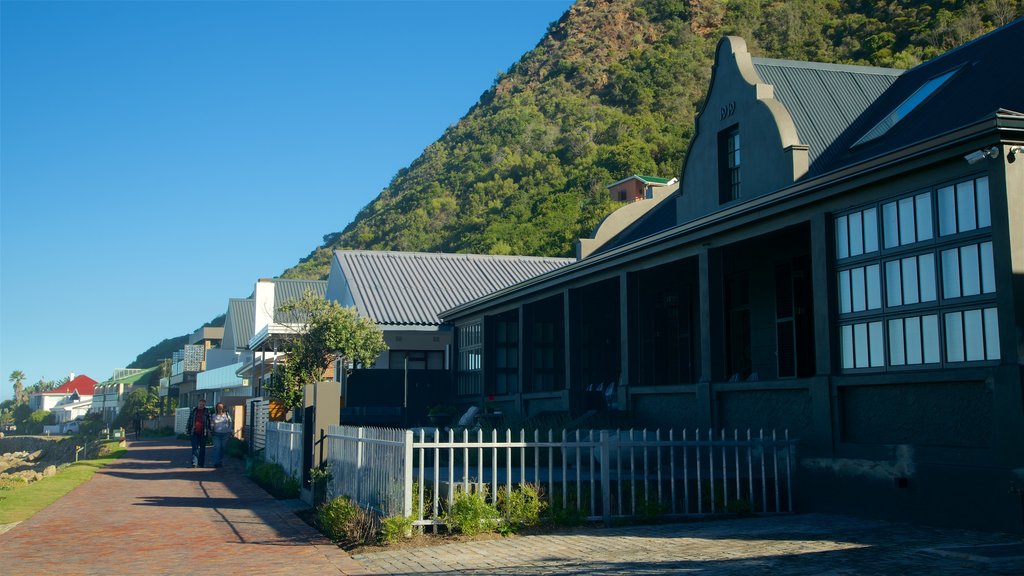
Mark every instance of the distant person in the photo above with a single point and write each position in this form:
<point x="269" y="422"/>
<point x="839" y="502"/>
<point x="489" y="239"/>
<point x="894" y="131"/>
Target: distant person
<point x="137" y="425"/>
<point x="222" y="429"/>
<point x="199" y="428"/>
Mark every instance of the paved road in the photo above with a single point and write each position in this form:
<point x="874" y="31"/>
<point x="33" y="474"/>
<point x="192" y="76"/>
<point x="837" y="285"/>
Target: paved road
<point x="149" y="514"/>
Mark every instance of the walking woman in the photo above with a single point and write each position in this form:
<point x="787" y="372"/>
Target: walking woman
<point x="222" y="429"/>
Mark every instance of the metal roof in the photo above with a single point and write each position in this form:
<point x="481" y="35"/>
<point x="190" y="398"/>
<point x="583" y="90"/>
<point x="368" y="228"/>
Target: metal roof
<point x="823" y="99"/>
<point x="240" y="322"/>
<point x="288" y="290"/>
<point x="412" y="288"/>
<point x="986" y="81"/>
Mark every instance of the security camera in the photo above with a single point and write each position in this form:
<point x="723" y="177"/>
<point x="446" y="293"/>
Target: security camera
<point x="979" y="155"/>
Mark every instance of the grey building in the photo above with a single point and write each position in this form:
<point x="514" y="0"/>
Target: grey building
<point x="844" y="258"/>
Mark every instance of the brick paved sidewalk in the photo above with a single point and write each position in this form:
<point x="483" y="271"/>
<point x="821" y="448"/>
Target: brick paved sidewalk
<point x="800" y="545"/>
<point x="151" y="513"/>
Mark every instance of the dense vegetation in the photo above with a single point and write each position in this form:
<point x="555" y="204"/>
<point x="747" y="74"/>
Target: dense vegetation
<point x="612" y="90"/>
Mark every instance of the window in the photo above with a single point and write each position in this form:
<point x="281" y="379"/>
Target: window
<point x="862" y="345"/>
<point x="972" y="335"/>
<point x="928" y="280"/>
<point x="914" y="340"/>
<point x="968" y="271"/>
<point x="910" y="280"/>
<point x="857" y="233"/>
<point x="729" y="164"/>
<point x="905" y="107"/>
<point x="739" y="362"/>
<point x="470" y="341"/>
<point x="908" y="220"/>
<point x="860" y="289"/>
<point x="416" y="359"/>
<point x="504" y="363"/>
<point x="964" y="207"/>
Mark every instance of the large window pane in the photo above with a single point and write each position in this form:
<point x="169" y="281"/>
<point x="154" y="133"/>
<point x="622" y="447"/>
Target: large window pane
<point x="847" y="344"/>
<point x="965" y="210"/>
<point x="893" y="284"/>
<point x="857" y="286"/>
<point x="991" y="334"/>
<point x="984" y="216"/>
<point x="974" y="335"/>
<point x="954" y="337"/>
<point x="926" y="272"/>
<point x="908" y="232"/>
<point x="923" y="207"/>
<point x="912" y="327"/>
<point x="988" y="269"/>
<point x="860" y="345"/>
<point x="970" y="270"/>
<point x="856" y="235"/>
<point x="890" y="225"/>
<point x="874" y="287"/>
<point x="842" y="238"/>
<point x="845" y="306"/>
<point x="896" y="343"/>
<point x="947" y="211"/>
<point x="950" y="273"/>
<point x="877" y="344"/>
<point x="910" y="280"/>
<point x="930" y="337"/>
<point x="870" y="230"/>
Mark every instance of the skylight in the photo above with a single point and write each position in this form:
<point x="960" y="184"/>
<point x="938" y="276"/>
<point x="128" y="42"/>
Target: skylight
<point x="905" y="107"/>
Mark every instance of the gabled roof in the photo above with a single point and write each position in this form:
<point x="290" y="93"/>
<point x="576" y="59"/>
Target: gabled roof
<point x="240" y="323"/>
<point x="823" y="99"/>
<point x="987" y="80"/>
<point x="412" y="288"/>
<point x="83" y="384"/>
<point x="288" y="290"/>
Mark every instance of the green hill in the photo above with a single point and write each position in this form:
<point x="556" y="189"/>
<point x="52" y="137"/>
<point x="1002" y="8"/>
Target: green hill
<point x="612" y="90"/>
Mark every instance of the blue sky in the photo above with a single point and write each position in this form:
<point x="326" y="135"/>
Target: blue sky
<point x="157" y="158"/>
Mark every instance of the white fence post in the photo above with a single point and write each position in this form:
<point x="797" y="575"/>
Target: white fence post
<point x="606" y="478"/>
<point x="407" y="476"/>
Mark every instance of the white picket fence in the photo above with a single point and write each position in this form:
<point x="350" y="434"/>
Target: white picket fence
<point x="283" y="445"/>
<point x="648" y="472"/>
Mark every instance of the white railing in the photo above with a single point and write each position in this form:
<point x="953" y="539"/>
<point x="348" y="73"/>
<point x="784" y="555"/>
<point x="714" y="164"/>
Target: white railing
<point x="373" y="466"/>
<point x="648" y="472"/>
<point x="284" y="446"/>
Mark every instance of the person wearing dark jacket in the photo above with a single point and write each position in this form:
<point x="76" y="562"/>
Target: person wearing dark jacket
<point x="199" y="426"/>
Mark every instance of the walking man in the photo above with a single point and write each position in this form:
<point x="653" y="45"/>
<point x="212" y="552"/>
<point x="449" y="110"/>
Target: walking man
<point x="199" y="427"/>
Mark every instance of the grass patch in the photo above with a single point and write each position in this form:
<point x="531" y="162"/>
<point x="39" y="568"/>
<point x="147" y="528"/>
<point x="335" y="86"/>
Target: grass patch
<point x="19" y="503"/>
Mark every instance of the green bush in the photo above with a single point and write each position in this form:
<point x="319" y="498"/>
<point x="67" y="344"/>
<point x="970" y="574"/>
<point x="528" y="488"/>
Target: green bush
<point x="336" y="517"/>
<point x="343" y="521"/>
<point x="521" y="507"/>
<point x="272" y="478"/>
<point x="471" y="514"/>
<point x="158" y="433"/>
<point x="394" y="528"/>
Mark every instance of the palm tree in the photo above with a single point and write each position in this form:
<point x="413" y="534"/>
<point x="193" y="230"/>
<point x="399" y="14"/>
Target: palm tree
<point x="16" y="378"/>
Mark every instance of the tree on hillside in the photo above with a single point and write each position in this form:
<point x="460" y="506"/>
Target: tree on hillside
<point x="328" y="330"/>
<point x="17" y="378"/>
